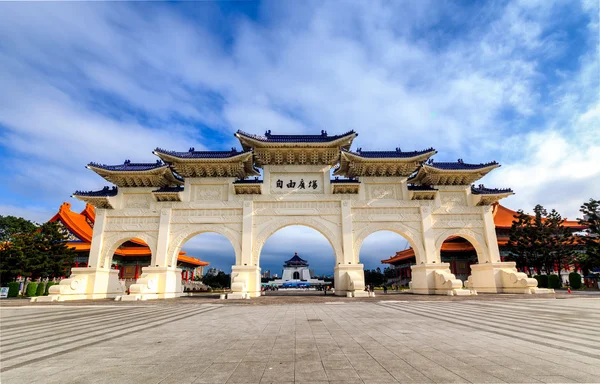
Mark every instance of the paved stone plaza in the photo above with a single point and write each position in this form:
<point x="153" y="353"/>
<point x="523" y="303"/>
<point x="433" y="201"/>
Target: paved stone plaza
<point x="406" y="341"/>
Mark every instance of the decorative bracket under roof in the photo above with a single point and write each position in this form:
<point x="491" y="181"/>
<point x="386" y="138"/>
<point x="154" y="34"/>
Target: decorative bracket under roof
<point x="381" y="163"/>
<point x="422" y="192"/>
<point x="131" y="174"/>
<point x="209" y="163"/>
<point x="168" y="193"/>
<point x="248" y="187"/>
<point x="458" y="173"/>
<point x="99" y="199"/>
<point x="345" y="186"/>
<point x="489" y="196"/>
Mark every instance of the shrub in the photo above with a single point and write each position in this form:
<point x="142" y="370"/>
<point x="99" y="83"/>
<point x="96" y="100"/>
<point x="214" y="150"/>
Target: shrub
<point x="40" y="289"/>
<point x="13" y="289"/>
<point x="31" y="289"/>
<point x="48" y="285"/>
<point x="542" y="280"/>
<point x="553" y="281"/>
<point x="575" y="280"/>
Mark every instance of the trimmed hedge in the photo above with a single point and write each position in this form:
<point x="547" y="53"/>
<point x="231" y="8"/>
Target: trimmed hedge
<point x="575" y="280"/>
<point x="553" y="281"/>
<point x="50" y="283"/>
<point x="31" y="289"/>
<point x="13" y="289"/>
<point x="542" y="280"/>
<point x="40" y="289"/>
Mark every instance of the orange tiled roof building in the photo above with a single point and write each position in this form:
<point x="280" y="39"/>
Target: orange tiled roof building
<point x="129" y="258"/>
<point x="459" y="252"/>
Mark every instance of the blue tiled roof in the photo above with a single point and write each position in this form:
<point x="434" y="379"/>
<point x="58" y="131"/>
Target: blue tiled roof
<point x="178" y="188"/>
<point x="459" y="165"/>
<point x="193" y="154"/>
<point x="482" y="190"/>
<point x="104" y="192"/>
<point x="248" y="181"/>
<point x="270" y="138"/>
<point x="341" y="181"/>
<point x="296" y="260"/>
<point x="412" y="187"/>
<point x="390" y="154"/>
<point x="129" y="166"/>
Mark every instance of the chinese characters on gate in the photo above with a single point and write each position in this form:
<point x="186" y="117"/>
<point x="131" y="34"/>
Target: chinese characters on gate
<point x="301" y="185"/>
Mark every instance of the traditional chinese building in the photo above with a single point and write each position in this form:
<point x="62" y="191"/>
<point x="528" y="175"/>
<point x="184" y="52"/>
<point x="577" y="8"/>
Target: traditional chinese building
<point x="459" y="252"/>
<point x="129" y="258"/>
<point x="295" y="270"/>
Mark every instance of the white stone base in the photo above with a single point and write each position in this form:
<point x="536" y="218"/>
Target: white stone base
<point x="502" y="277"/>
<point x="156" y="283"/>
<point x="85" y="284"/>
<point x="349" y="278"/>
<point x="245" y="282"/>
<point x="436" y="279"/>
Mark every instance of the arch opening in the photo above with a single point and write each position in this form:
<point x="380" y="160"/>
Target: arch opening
<point x="387" y="257"/>
<point x="460" y="252"/>
<point x="205" y="259"/>
<point x="129" y="255"/>
<point x="297" y="260"/>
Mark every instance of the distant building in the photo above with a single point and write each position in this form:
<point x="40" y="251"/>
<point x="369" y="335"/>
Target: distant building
<point x="266" y="274"/>
<point x="296" y="272"/>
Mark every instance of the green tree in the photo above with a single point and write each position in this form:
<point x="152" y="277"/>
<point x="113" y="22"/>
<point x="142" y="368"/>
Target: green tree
<point x="16" y="247"/>
<point x="55" y="258"/>
<point x="591" y="219"/>
<point x="540" y="241"/>
<point x="220" y="280"/>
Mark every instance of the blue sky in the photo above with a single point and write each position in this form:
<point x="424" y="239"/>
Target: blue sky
<point x="512" y="81"/>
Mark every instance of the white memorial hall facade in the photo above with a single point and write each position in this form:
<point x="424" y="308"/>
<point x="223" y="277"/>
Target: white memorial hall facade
<point x="186" y="193"/>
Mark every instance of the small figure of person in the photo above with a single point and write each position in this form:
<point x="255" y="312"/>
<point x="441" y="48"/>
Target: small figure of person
<point x="385" y="289"/>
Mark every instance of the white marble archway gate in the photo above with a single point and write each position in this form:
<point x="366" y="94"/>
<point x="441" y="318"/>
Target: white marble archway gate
<point x="192" y="192"/>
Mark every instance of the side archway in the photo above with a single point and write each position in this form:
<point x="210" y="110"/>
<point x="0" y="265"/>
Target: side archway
<point x="414" y="240"/>
<point x="179" y="238"/>
<point x="317" y="224"/>
<point x="474" y="238"/>
<point x="112" y="242"/>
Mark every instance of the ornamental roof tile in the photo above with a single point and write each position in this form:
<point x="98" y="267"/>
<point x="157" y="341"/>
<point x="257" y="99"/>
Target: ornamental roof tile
<point x="193" y="154"/>
<point x="104" y="192"/>
<point x="398" y="153"/>
<point x="270" y="138"/>
<point x="128" y="166"/>
<point x="342" y="181"/>
<point x="248" y="181"/>
<point x="459" y="165"/>
<point x="178" y="188"/>
<point x="412" y="187"/>
<point x="482" y="190"/>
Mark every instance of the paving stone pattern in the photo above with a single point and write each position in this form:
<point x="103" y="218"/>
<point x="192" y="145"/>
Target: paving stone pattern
<point x="512" y="341"/>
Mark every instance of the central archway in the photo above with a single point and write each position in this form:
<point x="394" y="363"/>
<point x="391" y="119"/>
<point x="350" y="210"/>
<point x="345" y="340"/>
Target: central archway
<point x="297" y="260"/>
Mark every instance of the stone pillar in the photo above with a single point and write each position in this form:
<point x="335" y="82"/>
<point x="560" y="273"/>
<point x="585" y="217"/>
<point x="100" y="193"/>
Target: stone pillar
<point x="492" y="275"/>
<point x="245" y="276"/>
<point x="430" y="276"/>
<point x="162" y="279"/>
<point x="349" y="275"/>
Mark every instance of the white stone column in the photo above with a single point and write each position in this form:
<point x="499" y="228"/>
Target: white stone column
<point x="162" y="279"/>
<point x="161" y="258"/>
<point x="430" y="275"/>
<point x="349" y="275"/>
<point x="489" y="232"/>
<point x="245" y="276"/>
<point x="95" y="255"/>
